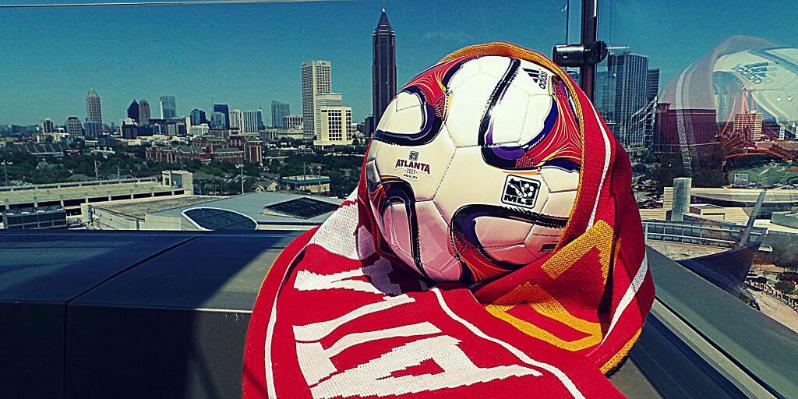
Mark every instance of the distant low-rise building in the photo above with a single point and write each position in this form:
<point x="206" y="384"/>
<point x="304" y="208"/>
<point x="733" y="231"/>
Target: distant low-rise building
<point x="309" y="183"/>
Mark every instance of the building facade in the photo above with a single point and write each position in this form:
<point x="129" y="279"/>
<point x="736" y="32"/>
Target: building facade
<point x="749" y="125"/>
<point x="629" y="72"/>
<point x="336" y="129"/>
<point x="224" y="110"/>
<point x="252" y="121"/>
<point x="168" y="107"/>
<point x="316" y="88"/>
<point x="383" y="69"/>
<point x="292" y="122"/>
<point x="144" y="112"/>
<point x="198" y="117"/>
<point x="652" y="100"/>
<point x="133" y="110"/>
<point x="236" y="120"/>
<point x="279" y="111"/>
<point x="73" y="127"/>
<point x="94" y="112"/>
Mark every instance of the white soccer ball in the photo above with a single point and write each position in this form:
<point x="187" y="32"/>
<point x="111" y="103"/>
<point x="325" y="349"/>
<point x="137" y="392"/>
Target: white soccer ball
<point x="474" y="167"/>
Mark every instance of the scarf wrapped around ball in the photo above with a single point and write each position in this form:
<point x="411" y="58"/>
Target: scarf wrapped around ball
<point x="341" y="314"/>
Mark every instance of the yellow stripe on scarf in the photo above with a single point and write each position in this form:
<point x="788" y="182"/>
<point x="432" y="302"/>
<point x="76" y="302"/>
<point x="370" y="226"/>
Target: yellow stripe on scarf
<point x="546" y="305"/>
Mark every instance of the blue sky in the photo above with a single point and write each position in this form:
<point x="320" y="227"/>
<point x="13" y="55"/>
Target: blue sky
<point x="249" y="55"/>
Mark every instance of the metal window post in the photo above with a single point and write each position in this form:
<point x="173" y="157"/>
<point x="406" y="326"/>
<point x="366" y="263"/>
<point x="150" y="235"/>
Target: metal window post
<point x="587" y="72"/>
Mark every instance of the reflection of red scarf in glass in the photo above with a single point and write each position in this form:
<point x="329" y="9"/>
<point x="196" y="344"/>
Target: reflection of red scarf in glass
<point x="335" y="319"/>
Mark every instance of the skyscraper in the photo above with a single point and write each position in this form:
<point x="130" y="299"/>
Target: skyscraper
<point x="629" y="71"/>
<point x="94" y="112"/>
<point x="252" y="121"/>
<point x="198" y="117"/>
<point x="133" y="110"/>
<point x="383" y="69"/>
<point x="225" y="110"/>
<point x="144" y="112"/>
<point x="48" y="126"/>
<point x="748" y="124"/>
<point x="652" y="89"/>
<point x="279" y="111"/>
<point x="316" y="88"/>
<point x="73" y="127"/>
<point x="237" y="120"/>
<point x="168" y="107"/>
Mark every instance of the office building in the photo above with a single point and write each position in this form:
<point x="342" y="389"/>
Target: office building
<point x="335" y="124"/>
<point x="198" y="117"/>
<point x="133" y="110"/>
<point x="629" y="72"/>
<point x="48" y="126"/>
<point x="749" y="125"/>
<point x="652" y="90"/>
<point x="168" y="107"/>
<point x="236" y="120"/>
<point x="225" y="111"/>
<point x="292" y="122"/>
<point x="144" y="112"/>
<point x="73" y="127"/>
<point x="252" y="121"/>
<point x="316" y="92"/>
<point x="94" y="112"/>
<point x="279" y="111"/>
<point x="93" y="130"/>
<point x="383" y="69"/>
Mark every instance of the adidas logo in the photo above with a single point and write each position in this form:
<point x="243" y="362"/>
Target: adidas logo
<point x="755" y="73"/>
<point x="539" y="77"/>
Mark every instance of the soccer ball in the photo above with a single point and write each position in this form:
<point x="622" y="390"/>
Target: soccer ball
<point x="474" y="167"/>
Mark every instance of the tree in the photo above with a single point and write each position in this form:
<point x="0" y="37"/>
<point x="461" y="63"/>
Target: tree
<point x="785" y="286"/>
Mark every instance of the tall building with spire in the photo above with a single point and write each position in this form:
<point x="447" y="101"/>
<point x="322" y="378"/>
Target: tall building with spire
<point x="94" y="112"/>
<point x="383" y="69"/>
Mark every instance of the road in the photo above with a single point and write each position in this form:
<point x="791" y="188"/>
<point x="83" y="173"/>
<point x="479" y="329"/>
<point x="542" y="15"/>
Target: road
<point x="776" y="310"/>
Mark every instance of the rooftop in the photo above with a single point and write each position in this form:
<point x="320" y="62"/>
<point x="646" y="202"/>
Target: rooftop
<point x="252" y="205"/>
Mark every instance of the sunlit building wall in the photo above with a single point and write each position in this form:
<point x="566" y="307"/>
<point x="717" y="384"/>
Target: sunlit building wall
<point x="236" y="119"/>
<point x="336" y="124"/>
<point x="251" y="121"/>
<point x="94" y="111"/>
<point x="316" y="83"/>
<point x="292" y="122"/>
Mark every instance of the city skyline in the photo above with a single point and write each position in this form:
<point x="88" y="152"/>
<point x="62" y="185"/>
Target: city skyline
<point x="189" y="55"/>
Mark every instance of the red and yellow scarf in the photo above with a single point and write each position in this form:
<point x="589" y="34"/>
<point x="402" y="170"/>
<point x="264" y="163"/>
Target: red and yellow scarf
<point x="335" y="319"/>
